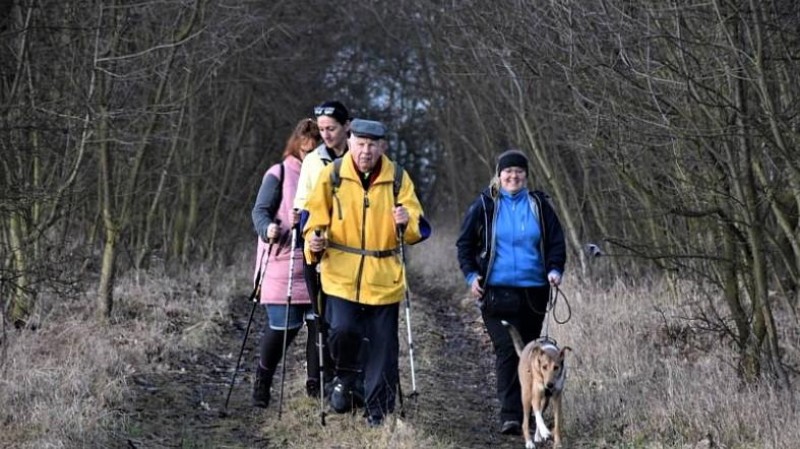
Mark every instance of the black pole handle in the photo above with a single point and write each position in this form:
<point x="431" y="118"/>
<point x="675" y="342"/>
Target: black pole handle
<point x="318" y="233"/>
<point x="296" y="211"/>
<point x="401" y="228"/>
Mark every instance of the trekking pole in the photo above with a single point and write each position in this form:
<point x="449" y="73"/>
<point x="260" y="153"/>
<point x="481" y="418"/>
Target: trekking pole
<point x="286" y="320"/>
<point x="320" y="343"/>
<point x="262" y="265"/>
<point x="401" y="229"/>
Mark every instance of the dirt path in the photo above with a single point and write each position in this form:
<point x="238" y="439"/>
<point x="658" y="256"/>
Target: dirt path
<point x="182" y="406"/>
<point x="454" y="369"/>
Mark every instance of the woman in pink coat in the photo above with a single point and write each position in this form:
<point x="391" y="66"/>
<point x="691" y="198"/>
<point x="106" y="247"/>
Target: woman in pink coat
<point x="274" y="221"/>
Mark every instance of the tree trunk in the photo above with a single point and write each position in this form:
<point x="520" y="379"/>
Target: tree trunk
<point x="21" y="301"/>
<point x="223" y="187"/>
<point x="105" y="289"/>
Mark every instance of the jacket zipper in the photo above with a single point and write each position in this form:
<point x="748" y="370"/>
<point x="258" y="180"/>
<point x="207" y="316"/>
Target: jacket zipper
<point x="363" y="244"/>
<point x="534" y="203"/>
<point x="492" y="250"/>
<point x="540" y="215"/>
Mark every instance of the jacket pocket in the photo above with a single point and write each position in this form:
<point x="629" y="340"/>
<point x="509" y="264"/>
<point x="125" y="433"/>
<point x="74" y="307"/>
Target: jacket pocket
<point x="342" y="270"/>
<point x="384" y="272"/>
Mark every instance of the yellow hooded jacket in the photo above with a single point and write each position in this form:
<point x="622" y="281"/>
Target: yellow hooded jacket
<point x="362" y="220"/>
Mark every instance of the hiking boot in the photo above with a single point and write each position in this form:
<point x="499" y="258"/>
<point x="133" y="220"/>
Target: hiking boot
<point x="261" y="387"/>
<point x="511" y="427"/>
<point x="341" y="398"/>
<point x="312" y="387"/>
<point x="374" y="421"/>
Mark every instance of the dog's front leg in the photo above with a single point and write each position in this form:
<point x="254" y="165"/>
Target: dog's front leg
<point x="526" y="422"/>
<point x="542" y="432"/>
<point x="557" y="421"/>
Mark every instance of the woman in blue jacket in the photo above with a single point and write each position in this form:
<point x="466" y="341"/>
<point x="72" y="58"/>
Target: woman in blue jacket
<point x="511" y="250"/>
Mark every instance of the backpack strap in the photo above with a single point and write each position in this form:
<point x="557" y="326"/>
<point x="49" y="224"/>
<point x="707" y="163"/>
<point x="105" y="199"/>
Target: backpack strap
<point x="398" y="180"/>
<point x="336" y="178"/>
<point x="279" y="188"/>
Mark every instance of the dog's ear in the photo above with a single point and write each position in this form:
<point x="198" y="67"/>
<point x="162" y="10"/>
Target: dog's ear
<point x="564" y="351"/>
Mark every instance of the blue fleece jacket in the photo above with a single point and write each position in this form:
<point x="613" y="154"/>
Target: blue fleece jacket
<point x="518" y="262"/>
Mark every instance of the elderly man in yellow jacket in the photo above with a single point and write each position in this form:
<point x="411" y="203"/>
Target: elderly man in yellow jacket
<point x="353" y="228"/>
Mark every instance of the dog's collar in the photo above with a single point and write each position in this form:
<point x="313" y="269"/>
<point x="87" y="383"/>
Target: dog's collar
<point x="548" y="345"/>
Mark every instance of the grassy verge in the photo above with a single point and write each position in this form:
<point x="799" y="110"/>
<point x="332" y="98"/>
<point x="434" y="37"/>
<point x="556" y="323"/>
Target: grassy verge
<point x="61" y="385"/>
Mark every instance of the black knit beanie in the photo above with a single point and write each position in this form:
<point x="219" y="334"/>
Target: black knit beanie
<point x="512" y="158"/>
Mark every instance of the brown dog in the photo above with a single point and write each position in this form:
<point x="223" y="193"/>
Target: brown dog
<point x="542" y="374"/>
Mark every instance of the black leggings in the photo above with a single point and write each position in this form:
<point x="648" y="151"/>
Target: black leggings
<point x="270" y="347"/>
<point x="271" y="350"/>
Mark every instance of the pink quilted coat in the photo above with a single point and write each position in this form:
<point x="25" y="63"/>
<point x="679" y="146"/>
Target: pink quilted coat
<point x="276" y="280"/>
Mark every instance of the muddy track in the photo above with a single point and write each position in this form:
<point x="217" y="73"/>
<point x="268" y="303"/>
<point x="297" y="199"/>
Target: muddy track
<point x="458" y="396"/>
<point x="181" y="406"/>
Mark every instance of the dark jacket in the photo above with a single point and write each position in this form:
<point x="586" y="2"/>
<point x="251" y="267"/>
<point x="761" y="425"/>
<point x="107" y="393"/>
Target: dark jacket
<point x="476" y="238"/>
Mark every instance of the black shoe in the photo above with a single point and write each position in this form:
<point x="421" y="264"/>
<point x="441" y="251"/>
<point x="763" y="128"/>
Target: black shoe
<point x="511" y="428"/>
<point x="261" y="388"/>
<point x="312" y="387"/>
<point x="341" y="398"/>
<point x="374" y="421"/>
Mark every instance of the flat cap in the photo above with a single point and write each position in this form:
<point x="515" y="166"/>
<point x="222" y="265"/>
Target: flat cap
<point x="367" y="128"/>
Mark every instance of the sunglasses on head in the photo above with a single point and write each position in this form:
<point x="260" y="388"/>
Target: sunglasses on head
<point x="327" y="110"/>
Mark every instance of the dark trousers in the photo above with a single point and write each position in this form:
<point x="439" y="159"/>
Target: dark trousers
<point x="353" y="325"/>
<point x="313" y="286"/>
<point x="527" y="319"/>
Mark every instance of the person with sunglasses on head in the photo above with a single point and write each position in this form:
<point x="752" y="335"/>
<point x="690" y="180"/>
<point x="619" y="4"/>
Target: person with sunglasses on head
<point x="511" y="250"/>
<point x="333" y="121"/>
<point x="354" y="226"/>
<point x="273" y="219"/>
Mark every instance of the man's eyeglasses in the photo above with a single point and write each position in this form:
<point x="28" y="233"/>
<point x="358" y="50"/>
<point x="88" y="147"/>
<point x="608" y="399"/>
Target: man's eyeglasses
<point x="327" y="110"/>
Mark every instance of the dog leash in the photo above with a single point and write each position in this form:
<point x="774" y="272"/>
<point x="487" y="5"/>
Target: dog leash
<point x="551" y="307"/>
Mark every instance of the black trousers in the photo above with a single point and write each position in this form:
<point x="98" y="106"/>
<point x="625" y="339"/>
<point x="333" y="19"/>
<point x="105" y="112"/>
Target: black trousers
<point x="313" y="286"/>
<point x="527" y="318"/>
<point x="353" y="325"/>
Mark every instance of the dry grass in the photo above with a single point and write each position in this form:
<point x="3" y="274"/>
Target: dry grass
<point x="435" y="260"/>
<point x="299" y="428"/>
<point x="60" y="385"/>
<point x="641" y="377"/>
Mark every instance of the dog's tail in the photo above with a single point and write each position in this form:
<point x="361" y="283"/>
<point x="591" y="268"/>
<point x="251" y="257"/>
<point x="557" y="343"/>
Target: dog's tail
<point x="515" y="336"/>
